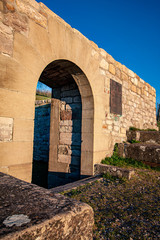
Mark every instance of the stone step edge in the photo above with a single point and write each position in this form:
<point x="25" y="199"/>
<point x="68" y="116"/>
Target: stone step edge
<point x="100" y="169"/>
<point x="114" y="171"/>
<point x="70" y="186"/>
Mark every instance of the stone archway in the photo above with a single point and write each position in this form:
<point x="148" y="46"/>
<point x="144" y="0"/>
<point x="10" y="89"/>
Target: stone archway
<point x="71" y="124"/>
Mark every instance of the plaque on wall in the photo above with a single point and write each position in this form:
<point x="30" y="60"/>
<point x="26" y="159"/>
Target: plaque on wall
<point x="115" y="97"/>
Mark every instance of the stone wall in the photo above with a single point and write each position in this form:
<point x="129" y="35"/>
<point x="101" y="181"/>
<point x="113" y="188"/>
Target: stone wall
<point x="41" y="133"/>
<point x="37" y="213"/>
<point x="138" y="100"/>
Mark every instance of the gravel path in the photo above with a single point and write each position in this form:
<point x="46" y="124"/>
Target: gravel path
<point x="124" y="209"/>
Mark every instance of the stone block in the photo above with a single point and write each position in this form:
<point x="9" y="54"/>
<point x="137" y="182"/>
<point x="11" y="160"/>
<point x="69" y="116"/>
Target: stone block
<point x="147" y="153"/>
<point x="66" y="138"/>
<point x="29" y="56"/>
<point x="32" y="3"/>
<point x="14" y="153"/>
<point x="6" y="43"/>
<point x="112" y="69"/>
<point x="6" y="129"/>
<point x="58" y="217"/>
<point x="31" y="13"/>
<point x="104" y="64"/>
<point x="63" y="150"/>
<point x="11" y="76"/>
<point x="66" y="115"/>
<point x="64" y="158"/>
<point x="113" y="170"/>
<point x="19" y="105"/>
<point x="124" y="76"/>
<point x="21" y="171"/>
<point x="65" y="129"/>
<point x="23" y="130"/>
<point x="1" y="6"/>
<point x="133" y="88"/>
<point x="16" y="21"/>
<point x="40" y="39"/>
<point x="66" y="123"/>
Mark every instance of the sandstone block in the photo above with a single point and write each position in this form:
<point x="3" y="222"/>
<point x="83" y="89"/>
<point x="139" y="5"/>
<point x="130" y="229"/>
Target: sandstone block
<point x="1" y="6"/>
<point x="16" y="21"/>
<point x="63" y="150"/>
<point x="110" y="59"/>
<point x="118" y="73"/>
<point x="133" y="88"/>
<point x="112" y="69"/>
<point x="123" y="130"/>
<point x="6" y="129"/>
<point x="65" y="129"/>
<point x="6" y="43"/>
<point x="66" y="115"/>
<point x="124" y="76"/>
<point x="32" y="3"/>
<point x="64" y="159"/>
<point x="31" y="13"/>
<point x="134" y="81"/>
<point x="104" y="64"/>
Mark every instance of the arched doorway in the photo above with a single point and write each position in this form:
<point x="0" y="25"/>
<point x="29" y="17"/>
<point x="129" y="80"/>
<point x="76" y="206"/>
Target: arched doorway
<point x="71" y="123"/>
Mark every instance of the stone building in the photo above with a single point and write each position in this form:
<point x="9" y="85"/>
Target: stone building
<point x="95" y="98"/>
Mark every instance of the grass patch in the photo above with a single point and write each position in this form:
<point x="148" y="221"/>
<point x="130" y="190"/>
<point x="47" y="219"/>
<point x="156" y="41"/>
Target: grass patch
<point x="158" y="125"/>
<point x="41" y="97"/>
<point x="138" y="129"/>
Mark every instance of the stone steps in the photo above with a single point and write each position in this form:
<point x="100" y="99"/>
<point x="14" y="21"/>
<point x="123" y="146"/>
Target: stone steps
<point x="75" y="184"/>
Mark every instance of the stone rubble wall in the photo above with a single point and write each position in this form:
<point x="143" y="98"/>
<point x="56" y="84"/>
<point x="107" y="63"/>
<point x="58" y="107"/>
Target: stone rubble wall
<point x="138" y="99"/>
<point x="31" y="37"/>
<point x="41" y="133"/>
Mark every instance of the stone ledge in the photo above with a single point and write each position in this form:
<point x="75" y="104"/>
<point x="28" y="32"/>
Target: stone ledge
<point x="144" y="136"/>
<point x="49" y="215"/>
<point x="113" y="170"/>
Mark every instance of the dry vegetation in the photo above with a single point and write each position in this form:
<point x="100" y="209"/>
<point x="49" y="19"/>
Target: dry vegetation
<point x="124" y="209"/>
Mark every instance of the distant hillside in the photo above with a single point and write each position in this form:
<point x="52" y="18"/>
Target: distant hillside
<point x="41" y="97"/>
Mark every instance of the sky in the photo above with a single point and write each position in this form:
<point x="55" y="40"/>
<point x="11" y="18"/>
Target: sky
<point x="129" y="30"/>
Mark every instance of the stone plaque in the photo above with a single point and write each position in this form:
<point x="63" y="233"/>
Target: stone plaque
<point x="115" y="97"/>
<point x="6" y="129"/>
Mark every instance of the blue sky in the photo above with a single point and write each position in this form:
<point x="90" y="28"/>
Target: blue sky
<point x="129" y="30"/>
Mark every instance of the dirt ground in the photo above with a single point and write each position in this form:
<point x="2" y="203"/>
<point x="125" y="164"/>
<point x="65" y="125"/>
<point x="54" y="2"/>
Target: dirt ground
<point x="124" y="209"/>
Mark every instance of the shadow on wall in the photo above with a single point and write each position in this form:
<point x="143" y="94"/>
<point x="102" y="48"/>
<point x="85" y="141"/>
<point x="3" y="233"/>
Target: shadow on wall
<point x="41" y="145"/>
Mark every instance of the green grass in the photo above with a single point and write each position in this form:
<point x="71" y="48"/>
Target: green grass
<point x="40" y="97"/>
<point x="158" y="125"/>
<point x="123" y="210"/>
<point x="134" y="141"/>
